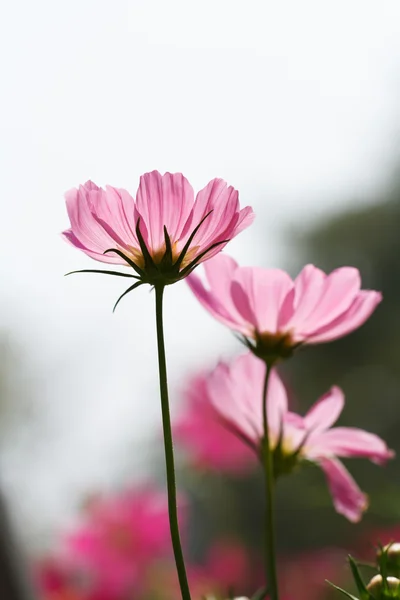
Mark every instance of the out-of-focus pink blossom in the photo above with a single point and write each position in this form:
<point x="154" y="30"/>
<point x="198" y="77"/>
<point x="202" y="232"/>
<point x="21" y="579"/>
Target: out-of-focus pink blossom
<point x="119" y="540"/>
<point x="303" y="576"/>
<point x="103" y="219"/>
<point x="227" y="567"/>
<point x="235" y="390"/>
<point x="54" y="581"/>
<point x="233" y="566"/>
<point x="200" y="430"/>
<point x="276" y="314"/>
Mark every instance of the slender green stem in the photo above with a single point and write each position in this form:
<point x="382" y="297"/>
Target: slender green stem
<point x="270" y="562"/>
<point x="168" y="448"/>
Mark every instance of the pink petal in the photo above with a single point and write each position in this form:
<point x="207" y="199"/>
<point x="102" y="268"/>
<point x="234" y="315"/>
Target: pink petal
<point x="235" y="390"/>
<point x="259" y="294"/>
<point x="223" y="201"/>
<point x="217" y="299"/>
<point x="326" y="411"/>
<point x="164" y="200"/>
<point x="361" y="309"/>
<point x="323" y="298"/>
<point x="246" y="218"/>
<point x="200" y="430"/>
<point x="232" y="393"/>
<point x="84" y="225"/>
<point x="238" y="223"/>
<point x="294" y="432"/>
<point x="307" y="291"/>
<point x="71" y="238"/>
<point x="350" y="442"/>
<point x="117" y="209"/>
<point x="219" y="273"/>
<point x="347" y="497"/>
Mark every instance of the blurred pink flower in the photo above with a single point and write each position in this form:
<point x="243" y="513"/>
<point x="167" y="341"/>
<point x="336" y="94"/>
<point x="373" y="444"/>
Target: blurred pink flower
<point x="228" y="566"/>
<point x="234" y="568"/>
<point x="276" y="314"/>
<point x="235" y="390"/>
<point x="55" y="581"/>
<point x="199" y="429"/>
<point x="303" y="576"/>
<point x="120" y="539"/>
<point x="103" y="219"/>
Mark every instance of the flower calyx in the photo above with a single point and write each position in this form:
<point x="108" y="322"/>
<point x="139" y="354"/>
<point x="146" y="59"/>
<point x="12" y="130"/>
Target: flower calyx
<point x="271" y="347"/>
<point x="162" y="268"/>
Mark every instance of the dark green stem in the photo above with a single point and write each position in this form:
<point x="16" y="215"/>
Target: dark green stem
<point x="168" y="448"/>
<point x="270" y="562"/>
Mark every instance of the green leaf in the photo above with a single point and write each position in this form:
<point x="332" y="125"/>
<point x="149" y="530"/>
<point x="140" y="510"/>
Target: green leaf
<point x="341" y="590"/>
<point x="362" y="590"/>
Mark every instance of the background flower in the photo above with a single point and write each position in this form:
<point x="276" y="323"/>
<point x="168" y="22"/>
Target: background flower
<point x="199" y="429"/>
<point x="235" y="390"/>
<point x="118" y="540"/>
<point x="266" y="306"/>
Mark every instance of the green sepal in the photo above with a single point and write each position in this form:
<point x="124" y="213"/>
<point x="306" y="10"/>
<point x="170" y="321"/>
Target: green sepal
<point x="189" y="241"/>
<point x="167" y="258"/>
<point x="383" y="567"/>
<point x="148" y="261"/>
<point x="195" y="262"/>
<point x="103" y="272"/>
<point x="128" y="260"/>
<point x="130" y="289"/>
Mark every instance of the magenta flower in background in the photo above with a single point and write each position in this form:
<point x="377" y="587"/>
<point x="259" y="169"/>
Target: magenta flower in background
<point x="303" y="576"/>
<point x="163" y="233"/>
<point x="276" y="314"/>
<point x="228" y="566"/>
<point x="200" y="430"/>
<point x="234" y="390"/>
<point x="119" y="541"/>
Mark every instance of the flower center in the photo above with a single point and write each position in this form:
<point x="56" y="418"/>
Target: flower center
<point x="157" y="255"/>
<point x="274" y="346"/>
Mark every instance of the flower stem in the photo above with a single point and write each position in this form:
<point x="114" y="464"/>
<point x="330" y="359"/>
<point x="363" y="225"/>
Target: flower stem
<point x="168" y="448"/>
<point x="270" y="562"/>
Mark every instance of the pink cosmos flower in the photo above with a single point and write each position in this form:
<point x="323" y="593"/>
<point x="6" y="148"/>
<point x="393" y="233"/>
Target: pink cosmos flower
<point x="276" y="314"/>
<point x="163" y="233"/>
<point x="120" y="540"/>
<point x="235" y="391"/>
<point x="200" y="430"/>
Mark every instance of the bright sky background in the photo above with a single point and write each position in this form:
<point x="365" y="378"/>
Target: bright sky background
<point x="294" y="103"/>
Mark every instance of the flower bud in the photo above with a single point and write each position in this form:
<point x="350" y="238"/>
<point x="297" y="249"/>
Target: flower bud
<point x="392" y="552"/>
<point x="376" y="587"/>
